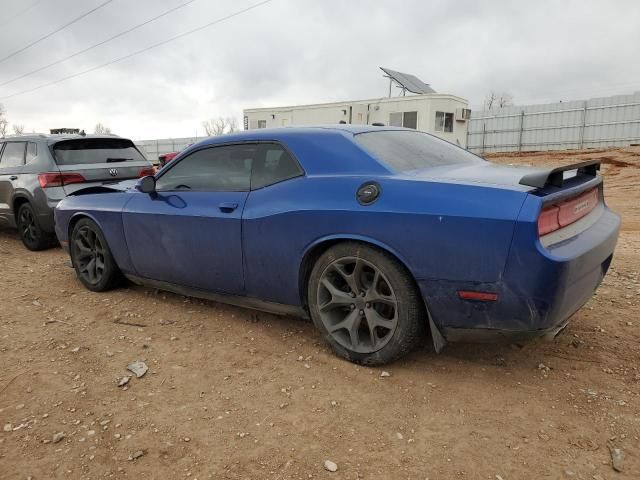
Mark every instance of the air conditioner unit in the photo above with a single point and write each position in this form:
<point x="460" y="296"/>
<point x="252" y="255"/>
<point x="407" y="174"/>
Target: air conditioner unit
<point x="463" y="114"/>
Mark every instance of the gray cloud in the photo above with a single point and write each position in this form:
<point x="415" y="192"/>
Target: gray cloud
<point x="291" y="51"/>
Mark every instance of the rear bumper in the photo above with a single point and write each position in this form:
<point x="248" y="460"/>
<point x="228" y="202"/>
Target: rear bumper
<point x="492" y="335"/>
<point x="541" y="288"/>
<point x="44" y="202"/>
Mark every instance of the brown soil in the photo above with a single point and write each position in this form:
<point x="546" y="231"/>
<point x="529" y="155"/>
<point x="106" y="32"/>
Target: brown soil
<point x="235" y="394"/>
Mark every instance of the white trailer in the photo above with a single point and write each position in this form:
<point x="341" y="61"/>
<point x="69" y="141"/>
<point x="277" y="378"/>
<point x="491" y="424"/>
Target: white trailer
<point x="443" y="115"/>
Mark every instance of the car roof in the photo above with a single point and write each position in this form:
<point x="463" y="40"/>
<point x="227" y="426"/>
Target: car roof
<point x="321" y="149"/>
<point x="278" y="133"/>
<point x="53" y="139"/>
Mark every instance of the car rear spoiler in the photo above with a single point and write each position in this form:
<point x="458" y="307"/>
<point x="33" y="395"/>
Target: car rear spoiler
<point x="555" y="176"/>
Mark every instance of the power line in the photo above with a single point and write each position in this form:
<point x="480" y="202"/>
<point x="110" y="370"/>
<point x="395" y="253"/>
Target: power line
<point x="133" y="54"/>
<point x="80" y="52"/>
<point x="20" y="13"/>
<point x="20" y="50"/>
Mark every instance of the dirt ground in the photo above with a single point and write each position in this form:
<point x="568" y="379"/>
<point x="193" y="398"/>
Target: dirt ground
<point x="234" y="394"/>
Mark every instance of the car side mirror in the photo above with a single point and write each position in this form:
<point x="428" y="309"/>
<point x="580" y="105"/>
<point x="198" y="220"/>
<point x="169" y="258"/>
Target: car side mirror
<point x="147" y="184"/>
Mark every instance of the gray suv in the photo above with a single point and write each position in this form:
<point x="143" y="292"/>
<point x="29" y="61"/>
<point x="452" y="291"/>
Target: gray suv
<point x="37" y="171"/>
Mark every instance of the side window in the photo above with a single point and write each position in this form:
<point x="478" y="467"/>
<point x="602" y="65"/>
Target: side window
<point x="32" y="151"/>
<point x="395" y="119"/>
<point x="448" y="122"/>
<point x="214" y="169"/>
<point x="444" y="122"/>
<point x="12" y="155"/>
<point x="273" y="164"/>
<point x="410" y="120"/>
<point x="404" y="119"/>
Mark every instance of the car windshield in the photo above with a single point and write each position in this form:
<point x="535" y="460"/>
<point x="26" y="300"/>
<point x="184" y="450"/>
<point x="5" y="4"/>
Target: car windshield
<point x="405" y="151"/>
<point x="96" y="150"/>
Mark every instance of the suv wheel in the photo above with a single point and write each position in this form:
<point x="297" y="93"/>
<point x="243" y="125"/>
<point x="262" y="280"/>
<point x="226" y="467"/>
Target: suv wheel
<point x="365" y="304"/>
<point x="91" y="257"/>
<point x="33" y="237"/>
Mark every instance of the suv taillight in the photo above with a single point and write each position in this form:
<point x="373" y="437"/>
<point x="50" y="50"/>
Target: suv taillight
<point x="57" y="179"/>
<point x="146" y="171"/>
<point x="566" y="212"/>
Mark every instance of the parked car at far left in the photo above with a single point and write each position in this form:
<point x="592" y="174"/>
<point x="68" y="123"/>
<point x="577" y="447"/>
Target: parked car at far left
<point x="166" y="158"/>
<point x="37" y="171"/>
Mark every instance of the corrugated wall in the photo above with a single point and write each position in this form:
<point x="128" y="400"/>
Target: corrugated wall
<point x="595" y="123"/>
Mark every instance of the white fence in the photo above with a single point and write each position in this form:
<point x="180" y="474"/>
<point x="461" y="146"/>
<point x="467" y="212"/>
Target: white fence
<point x="153" y="148"/>
<point x="595" y="123"/>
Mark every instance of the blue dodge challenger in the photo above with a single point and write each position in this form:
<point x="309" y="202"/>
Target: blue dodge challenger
<point x="378" y="234"/>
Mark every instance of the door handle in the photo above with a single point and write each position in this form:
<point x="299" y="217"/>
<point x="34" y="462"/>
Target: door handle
<point x="13" y="177"/>
<point x="227" y="207"/>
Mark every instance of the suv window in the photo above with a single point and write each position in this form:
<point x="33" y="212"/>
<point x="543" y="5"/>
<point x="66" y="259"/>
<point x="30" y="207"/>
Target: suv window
<point x="32" y="151"/>
<point x="13" y="154"/>
<point x="272" y="165"/>
<point x="214" y="169"/>
<point x="96" y="150"/>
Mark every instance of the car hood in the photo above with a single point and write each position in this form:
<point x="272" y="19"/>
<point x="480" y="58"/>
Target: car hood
<point x="484" y="173"/>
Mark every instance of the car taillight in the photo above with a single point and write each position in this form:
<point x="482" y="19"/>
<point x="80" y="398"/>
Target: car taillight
<point x="146" y="171"/>
<point x="57" y="179"/>
<point x="548" y="221"/>
<point x="567" y="212"/>
<point x="576" y="208"/>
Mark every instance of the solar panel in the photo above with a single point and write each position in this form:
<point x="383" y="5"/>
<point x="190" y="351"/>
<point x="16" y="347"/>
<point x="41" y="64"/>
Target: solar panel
<point x="408" y="82"/>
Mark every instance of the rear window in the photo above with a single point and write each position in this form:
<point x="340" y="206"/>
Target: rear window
<point x="96" y="150"/>
<point x="405" y="151"/>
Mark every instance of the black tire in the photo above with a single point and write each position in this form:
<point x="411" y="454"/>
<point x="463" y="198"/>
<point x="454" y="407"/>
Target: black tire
<point x="392" y="317"/>
<point x="32" y="235"/>
<point x="91" y="257"/>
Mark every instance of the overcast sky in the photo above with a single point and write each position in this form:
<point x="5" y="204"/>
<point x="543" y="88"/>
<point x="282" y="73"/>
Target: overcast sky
<point x="288" y="52"/>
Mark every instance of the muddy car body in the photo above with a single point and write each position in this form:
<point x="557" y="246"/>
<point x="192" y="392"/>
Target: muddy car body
<point x="377" y="233"/>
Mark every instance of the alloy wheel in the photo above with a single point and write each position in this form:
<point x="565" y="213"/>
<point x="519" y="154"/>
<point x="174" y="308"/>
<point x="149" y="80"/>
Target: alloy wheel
<point x="89" y="253"/>
<point x="28" y="228"/>
<point x="357" y="305"/>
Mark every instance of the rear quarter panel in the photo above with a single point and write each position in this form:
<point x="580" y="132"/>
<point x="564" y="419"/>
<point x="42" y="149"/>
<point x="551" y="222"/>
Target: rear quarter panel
<point x="106" y="210"/>
<point x="558" y="279"/>
<point x="28" y="187"/>
<point x="440" y="231"/>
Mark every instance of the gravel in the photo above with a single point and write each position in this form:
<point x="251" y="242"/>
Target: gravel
<point x="138" y="368"/>
<point x="617" y="458"/>
<point x="330" y="466"/>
